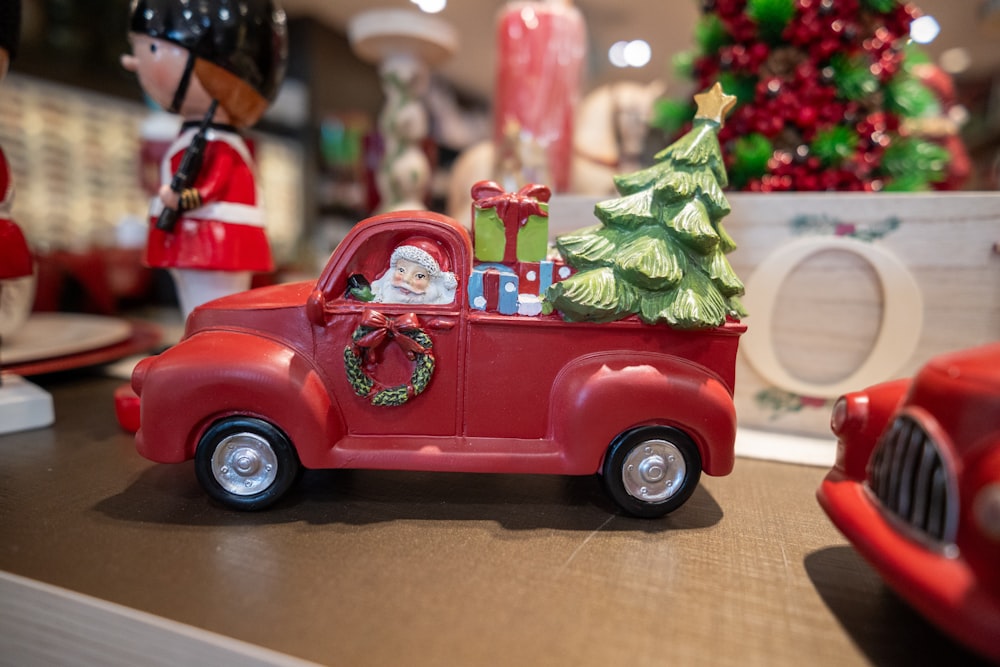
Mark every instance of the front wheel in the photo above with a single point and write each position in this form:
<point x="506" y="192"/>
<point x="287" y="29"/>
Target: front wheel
<point x="245" y="463"/>
<point x="651" y="471"/>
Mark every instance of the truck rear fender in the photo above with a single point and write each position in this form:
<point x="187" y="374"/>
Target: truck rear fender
<point x="212" y="376"/>
<point x="599" y="396"/>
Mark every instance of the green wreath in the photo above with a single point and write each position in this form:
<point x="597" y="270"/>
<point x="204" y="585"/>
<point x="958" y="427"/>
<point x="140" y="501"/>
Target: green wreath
<point x="367" y="387"/>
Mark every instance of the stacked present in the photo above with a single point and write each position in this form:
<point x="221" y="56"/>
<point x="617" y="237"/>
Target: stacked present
<point x="510" y="231"/>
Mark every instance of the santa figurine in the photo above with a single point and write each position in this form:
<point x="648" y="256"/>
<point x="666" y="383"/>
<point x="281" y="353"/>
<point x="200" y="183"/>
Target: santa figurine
<point x="418" y="273"/>
<point x="217" y="63"/>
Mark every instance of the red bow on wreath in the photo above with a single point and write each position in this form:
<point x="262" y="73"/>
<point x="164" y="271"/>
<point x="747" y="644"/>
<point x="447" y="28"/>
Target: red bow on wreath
<point x="393" y="328"/>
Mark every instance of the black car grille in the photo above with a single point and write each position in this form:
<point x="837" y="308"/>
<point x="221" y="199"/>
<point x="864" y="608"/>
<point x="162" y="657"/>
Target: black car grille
<point x="909" y="477"/>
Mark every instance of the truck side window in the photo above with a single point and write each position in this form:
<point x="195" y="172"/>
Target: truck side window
<point x="359" y="288"/>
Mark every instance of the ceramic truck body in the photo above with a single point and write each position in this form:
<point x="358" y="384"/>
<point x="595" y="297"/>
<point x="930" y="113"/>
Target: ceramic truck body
<point x="258" y="389"/>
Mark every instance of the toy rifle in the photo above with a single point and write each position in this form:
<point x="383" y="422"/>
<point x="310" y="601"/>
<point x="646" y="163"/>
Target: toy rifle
<point x="187" y="170"/>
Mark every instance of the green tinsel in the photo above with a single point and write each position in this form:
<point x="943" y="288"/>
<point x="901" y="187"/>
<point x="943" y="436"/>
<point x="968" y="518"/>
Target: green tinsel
<point x="671" y="115"/>
<point x="682" y="64"/>
<point x="853" y="77"/>
<point x="907" y="96"/>
<point x="710" y="34"/>
<point x="750" y="155"/>
<point x="834" y="145"/>
<point x="914" y="164"/>
<point x="771" y="17"/>
<point x="914" y="55"/>
<point x="880" y="6"/>
<point x="742" y="86"/>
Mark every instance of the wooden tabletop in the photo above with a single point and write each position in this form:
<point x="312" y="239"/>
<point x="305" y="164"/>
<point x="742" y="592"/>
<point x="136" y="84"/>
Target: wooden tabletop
<point x="393" y="568"/>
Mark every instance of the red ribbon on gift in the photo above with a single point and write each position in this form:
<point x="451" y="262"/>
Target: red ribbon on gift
<point x="513" y="209"/>
<point x="392" y="328"/>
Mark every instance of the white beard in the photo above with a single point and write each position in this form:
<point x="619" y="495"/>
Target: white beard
<point x="385" y="292"/>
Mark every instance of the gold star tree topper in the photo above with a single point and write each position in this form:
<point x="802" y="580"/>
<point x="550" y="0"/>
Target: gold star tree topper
<point x="714" y="104"/>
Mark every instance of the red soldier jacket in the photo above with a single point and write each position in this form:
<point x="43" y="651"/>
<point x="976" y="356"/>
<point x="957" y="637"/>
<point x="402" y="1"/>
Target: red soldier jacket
<point x="226" y="232"/>
<point x="15" y="258"/>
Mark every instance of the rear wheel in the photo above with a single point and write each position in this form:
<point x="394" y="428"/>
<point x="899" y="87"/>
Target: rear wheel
<point x="245" y="463"/>
<point x="651" y="471"/>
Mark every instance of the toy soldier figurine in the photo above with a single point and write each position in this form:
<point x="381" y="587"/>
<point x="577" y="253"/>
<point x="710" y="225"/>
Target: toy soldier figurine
<point x="217" y="63"/>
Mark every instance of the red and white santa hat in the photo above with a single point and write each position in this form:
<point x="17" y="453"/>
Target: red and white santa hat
<point x="428" y="254"/>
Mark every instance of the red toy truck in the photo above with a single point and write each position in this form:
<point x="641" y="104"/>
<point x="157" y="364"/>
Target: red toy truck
<point x="916" y="490"/>
<point x="304" y="375"/>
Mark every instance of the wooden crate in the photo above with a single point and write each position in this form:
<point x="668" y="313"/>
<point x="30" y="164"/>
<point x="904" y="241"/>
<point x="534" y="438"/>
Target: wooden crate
<point x="845" y="290"/>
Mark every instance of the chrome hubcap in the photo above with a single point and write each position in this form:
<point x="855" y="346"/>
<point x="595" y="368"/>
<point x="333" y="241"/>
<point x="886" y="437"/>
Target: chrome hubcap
<point x="244" y="464"/>
<point x="653" y="471"/>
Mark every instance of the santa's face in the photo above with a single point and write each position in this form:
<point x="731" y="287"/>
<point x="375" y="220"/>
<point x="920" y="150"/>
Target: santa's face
<point x="411" y="280"/>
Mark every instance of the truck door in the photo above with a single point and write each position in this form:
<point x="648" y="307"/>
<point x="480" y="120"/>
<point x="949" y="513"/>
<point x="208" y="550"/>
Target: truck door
<point x="394" y="368"/>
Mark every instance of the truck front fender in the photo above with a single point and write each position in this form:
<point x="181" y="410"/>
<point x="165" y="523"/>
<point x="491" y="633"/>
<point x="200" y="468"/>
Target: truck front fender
<point x="599" y="396"/>
<point x="216" y="374"/>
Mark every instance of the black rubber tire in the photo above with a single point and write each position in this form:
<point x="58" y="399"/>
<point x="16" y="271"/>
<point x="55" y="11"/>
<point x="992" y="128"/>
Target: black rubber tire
<point x="679" y="477"/>
<point x="260" y="444"/>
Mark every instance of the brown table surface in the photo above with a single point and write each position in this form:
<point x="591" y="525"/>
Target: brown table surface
<point x="392" y="568"/>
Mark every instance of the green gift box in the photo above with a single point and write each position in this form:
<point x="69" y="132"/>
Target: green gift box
<point x="510" y="227"/>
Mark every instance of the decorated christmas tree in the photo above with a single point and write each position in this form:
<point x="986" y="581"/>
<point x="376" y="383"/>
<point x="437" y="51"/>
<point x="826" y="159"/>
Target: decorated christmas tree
<point x="825" y="90"/>
<point x="661" y="250"/>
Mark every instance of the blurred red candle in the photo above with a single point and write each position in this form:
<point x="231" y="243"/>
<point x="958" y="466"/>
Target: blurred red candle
<point x="540" y="52"/>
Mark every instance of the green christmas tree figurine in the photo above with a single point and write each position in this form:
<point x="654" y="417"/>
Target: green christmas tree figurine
<point x="661" y="252"/>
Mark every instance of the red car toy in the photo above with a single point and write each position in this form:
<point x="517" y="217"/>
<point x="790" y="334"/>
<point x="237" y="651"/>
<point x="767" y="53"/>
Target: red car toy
<point x="269" y="381"/>
<point x="916" y="490"/>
